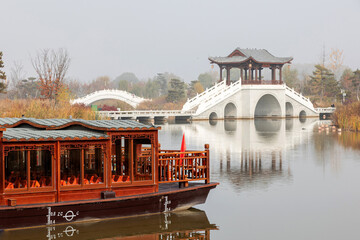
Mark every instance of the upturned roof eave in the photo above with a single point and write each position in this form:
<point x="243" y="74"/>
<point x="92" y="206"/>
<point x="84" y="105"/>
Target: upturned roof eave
<point x="212" y="61"/>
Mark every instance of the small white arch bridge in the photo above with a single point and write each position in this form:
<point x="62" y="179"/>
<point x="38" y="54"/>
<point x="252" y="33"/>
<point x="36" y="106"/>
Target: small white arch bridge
<point x="115" y="94"/>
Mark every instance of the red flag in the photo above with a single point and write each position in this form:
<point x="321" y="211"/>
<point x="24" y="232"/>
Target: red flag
<point x="183" y="148"/>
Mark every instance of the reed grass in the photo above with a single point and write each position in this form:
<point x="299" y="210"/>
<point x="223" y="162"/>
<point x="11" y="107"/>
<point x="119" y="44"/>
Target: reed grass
<point x="36" y="108"/>
<point x="347" y="117"/>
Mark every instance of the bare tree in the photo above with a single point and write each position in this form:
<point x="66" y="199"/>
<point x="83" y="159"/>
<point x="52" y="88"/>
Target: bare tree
<point x="336" y="61"/>
<point x="51" y="67"/>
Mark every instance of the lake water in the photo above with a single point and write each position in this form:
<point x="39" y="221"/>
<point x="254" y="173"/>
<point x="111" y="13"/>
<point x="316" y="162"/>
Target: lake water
<point x="279" y="179"/>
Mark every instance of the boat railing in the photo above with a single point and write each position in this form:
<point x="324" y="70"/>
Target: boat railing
<point x="182" y="167"/>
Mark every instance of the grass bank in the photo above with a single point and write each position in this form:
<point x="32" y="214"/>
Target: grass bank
<point x="347" y="117"/>
<point x="37" y="108"/>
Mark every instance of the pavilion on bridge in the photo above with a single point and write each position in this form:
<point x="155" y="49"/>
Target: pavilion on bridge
<point x="251" y="62"/>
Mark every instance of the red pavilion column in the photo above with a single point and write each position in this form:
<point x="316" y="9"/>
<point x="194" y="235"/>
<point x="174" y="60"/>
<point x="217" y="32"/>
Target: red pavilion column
<point x="228" y="76"/>
<point x="241" y="76"/>
<point x="221" y="69"/>
<point x="256" y="74"/>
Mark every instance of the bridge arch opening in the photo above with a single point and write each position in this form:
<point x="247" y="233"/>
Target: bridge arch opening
<point x="230" y="111"/>
<point x="213" y="116"/>
<point x="302" y="116"/>
<point x="267" y="106"/>
<point x="289" y="109"/>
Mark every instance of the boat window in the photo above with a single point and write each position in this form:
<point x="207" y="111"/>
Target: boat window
<point x="40" y="169"/>
<point x="15" y="170"/>
<point x="142" y="160"/>
<point x="93" y="166"/>
<point x="24" y="165"/>
<point x="120" y="166"/>
<point x="70" y="167"/>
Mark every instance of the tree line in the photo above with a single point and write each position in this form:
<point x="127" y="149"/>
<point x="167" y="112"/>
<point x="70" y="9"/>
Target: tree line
<point x="327" y="84"/>
<point x="165" y="90"/>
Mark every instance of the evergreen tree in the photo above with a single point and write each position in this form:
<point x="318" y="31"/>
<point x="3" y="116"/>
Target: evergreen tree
<point x="162" y="83"/>
<point x="323" y="82"/>
<point x="2" y="75"/>
<point x="176" y="93"/>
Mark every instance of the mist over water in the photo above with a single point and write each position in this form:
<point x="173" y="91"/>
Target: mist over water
<point x="279" y="179"/>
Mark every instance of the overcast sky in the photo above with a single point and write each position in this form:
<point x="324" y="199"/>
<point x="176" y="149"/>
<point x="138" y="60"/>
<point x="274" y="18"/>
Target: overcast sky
<point x="110" y="37"/>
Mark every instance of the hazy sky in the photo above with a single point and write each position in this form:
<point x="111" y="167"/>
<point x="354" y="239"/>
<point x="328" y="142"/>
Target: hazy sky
<point x="110" y="37"/>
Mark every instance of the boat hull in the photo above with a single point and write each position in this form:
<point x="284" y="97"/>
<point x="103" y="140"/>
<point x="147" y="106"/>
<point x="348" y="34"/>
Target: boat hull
<point x="168" y="199"/>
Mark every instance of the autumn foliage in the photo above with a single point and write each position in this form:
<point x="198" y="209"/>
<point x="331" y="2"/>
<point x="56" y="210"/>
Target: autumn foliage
<point x="36" y="108"/>
<point x="347" y="116"/>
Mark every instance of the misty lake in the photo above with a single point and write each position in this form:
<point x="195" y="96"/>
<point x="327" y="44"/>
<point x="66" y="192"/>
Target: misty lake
<point x="279" y="179"/>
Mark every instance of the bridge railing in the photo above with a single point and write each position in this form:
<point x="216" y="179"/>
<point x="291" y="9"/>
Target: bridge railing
<point x="220" y="96"/>
<point x="131" y="98"/>
<point x="193" y="102"/>
<point x="326" y="110"/>
<point x="146" y="113"/>
<point x="261" y="82"/>
<point x="300" y="98"/>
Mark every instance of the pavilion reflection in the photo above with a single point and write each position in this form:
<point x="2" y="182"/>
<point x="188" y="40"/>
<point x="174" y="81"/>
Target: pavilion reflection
<point x="254" y="169"/>
<point x="188" y="224"/>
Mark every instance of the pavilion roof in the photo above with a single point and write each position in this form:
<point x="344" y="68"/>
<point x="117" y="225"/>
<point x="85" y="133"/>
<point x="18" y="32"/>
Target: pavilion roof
<point x="240" y="55"/>
<point x="24" y="134"/>
<point x="55" y="124"/>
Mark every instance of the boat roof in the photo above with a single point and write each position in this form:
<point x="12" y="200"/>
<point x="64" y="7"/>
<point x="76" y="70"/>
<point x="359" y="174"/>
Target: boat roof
<point x="56" y="124"/>
<point x="24" y="134"/>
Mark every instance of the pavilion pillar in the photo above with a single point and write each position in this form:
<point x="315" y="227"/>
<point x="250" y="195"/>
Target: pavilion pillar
<point x="241" y="75"/>
<point x="260" y="74"/>
<point x="246" y="78"/>
<point x="250" y="73"/>
<point x="256" y="74"/>
<point x="228" y="76"/>
<point x="221" y="69"/>
<point x="273" y="71"/>
<point x="280" y="75"/>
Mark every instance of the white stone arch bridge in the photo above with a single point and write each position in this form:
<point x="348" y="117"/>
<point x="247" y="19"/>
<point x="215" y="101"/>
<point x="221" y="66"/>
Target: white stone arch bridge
<point x="115" y="94"/>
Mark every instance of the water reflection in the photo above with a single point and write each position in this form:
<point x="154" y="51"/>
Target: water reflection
<point x="271" y="170"/>
<point x="189" y="224"/>
<point x="267" y="128"/>
<point x="245" y="153"/>
<point x="238" y="135"/>
<point x="348" y="139"/>
<point x="230" y="125"/>
<point x="254" y="170"/>
<point x="289" y="124"/>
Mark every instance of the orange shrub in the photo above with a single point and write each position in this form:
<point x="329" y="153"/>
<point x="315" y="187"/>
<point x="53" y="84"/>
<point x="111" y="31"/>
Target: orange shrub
<point x="36" y="108"/>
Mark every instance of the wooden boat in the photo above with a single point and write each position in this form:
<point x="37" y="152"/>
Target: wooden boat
<point x="187" y="224"/>
<point x="64" y="170"/>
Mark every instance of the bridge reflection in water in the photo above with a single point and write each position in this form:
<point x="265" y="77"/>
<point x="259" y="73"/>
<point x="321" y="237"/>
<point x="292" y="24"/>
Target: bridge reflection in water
<point x="189" y="224"/>
<point x="246" y="154"/>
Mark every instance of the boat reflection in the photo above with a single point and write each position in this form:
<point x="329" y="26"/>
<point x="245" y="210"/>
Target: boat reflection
<point x="189" y="224"/>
